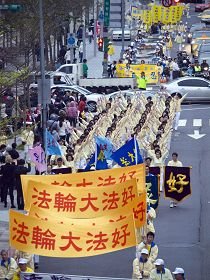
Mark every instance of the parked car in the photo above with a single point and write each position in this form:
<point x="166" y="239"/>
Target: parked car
<point x="205" y="16"/>
<point x="204" y="48"/>
<point x="202" y="7"/>
<point x="198" y="89"/>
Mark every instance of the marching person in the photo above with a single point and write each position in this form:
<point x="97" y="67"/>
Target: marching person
<point x="160" y="272"/>
<point x="176" y="163"/>
<point x="179" y="273"/>
<point x="22" y="263"/>
<point x="142" y="266"/>
<point x="177" y="106"/>
<point x="149" y="244"/>
<point x="7" y="266"/>
<point x="23" y="255"/>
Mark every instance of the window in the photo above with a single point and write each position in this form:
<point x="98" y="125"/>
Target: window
<point x="66" y="69"/>
<point x="193" y="83"/>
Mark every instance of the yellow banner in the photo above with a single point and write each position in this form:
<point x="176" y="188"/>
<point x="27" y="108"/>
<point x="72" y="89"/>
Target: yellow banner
<point x="151" y="71"/>
<point x="179" y="13"/>
<point x="100" y="178"/>
<point x="147" y="16"/>
<point x="172" y="14"/>
<point x="156" y="13"/>
<point x="136" y="12"/>
<point x="139" y="212"/>
<point x="82" y="202"/>
<point x="166" y="16"/>
<point x="48" y="239"/>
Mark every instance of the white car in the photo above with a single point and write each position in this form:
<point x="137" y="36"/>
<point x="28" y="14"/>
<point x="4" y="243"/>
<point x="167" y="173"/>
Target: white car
<point x="117" y="35"/>
<point x="197" y="89"/>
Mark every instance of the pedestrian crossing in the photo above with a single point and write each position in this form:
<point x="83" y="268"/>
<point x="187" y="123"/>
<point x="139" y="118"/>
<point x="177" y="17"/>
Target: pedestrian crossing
<point x="193" y="122"/>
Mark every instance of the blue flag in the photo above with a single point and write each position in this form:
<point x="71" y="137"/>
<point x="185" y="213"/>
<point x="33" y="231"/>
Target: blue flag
<point x="53" y="148"/>
<point x="98" y="160"/>
<point x="128" y="154"/>
<point x="152" y="190"/>
<point x="106" y="145"/>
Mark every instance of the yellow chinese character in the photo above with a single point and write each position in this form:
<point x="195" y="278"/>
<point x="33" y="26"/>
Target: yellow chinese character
<point x="101" y="156"/>
<point x="124" y="161"/>
<point x="131" y="156"/>
<point x="172" y="182"/>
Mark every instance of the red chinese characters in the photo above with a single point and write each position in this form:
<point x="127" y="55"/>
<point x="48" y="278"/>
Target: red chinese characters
<point x="71" y="242"/>
<point x="44" y="240"/>
<point x="89" y="203"/>
<point x="97" y="241"/>
<point x="127" y="195"/>
<point x="120" y="236"/>
<point x="111" y="201"/>
<point x="140" y="211"/>
<point x="21" y="232"/>
<point x="65" y="203"/>
<point x="42" y="199"/>
<point x="84" y="184"/>
<point x="107" y="181"/>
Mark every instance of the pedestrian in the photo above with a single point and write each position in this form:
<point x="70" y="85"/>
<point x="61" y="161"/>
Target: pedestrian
<point x="59" y="164"/>
<point x="7" y="266"/>
<point x="82" y="105"/>
<point x="49" y="170"/>
<point x="20" y="170"/>
<point x="176" y="163"/>
<point x="67" y="56"/>
<point x="179" y="40"/>
<point x="64" y="128"/>
<point x="142" y="81"/>
<point x="149" y="244"/>
<point x="22" y="263"/>
<point x="8" y="180"/>
<point x="160" y="272"/>
<point x="177" y="99"/>
<point x="90" y="35"/>
<point x="142" y="266"/>
<point x="179" y="273"/>
<point x="13" y="152"/>
<point x="72" y="113"/>
<point x="85" y="69"/>
<point x="81" y="49"/>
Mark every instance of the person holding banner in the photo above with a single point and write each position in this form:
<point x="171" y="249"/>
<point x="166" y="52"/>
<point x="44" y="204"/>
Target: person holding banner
<point x="149" y="244"/>
<point x="22" y="263"/>
<point x="142" y="266"/>
<point x="7" y="266"/>
<point x="176" y="163"/>
<point x="142" y="81"/>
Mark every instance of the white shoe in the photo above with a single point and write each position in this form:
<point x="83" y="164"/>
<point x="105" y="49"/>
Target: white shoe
<point x="171" y="204"/>
<point x="175" y="204"/>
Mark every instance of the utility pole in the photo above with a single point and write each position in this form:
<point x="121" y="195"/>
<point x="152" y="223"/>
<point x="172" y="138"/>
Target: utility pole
<point x="105" y="35"/>
<point x="123" y="28"/>
<point x="84" y="36"/>
<point x="42" y="70"/>
<point x="95" y="27"/>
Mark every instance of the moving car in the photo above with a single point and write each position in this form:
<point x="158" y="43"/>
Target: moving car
<point x="205" y="16"/>
<point x="195" y="27"/>
<point x="117" y="35"/>
<point x="198" y="38"/>
<point x="204" y="48"/>
<point x="198" y="89"/>
<point x="202" y="7"/>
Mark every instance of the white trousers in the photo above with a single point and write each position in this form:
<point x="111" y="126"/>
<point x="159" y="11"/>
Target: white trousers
<point x="177" y="120"/>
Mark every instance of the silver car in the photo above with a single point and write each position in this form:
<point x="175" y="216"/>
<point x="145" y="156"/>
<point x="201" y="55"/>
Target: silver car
<point x="198" y="89"/>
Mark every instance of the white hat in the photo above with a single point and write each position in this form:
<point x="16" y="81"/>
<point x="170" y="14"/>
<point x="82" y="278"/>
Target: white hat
<point x="178" y="270"/>
<point x="22" y="261"/>
<point x="159" y="262"/>
<point x="145" y="251"/>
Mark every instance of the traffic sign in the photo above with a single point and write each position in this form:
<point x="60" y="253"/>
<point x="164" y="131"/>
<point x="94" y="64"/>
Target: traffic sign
<point x="106" y="12"/>
<point x="71" y="41"/>
<point x="167" y="3"/>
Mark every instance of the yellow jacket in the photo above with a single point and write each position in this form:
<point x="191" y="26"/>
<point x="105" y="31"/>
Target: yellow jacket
<point x="161" y="276"/>
<point x="29" y="257"/>
<point x="17" y="273"/>
<point x="153" y="250"/>
<point x="8" y="270"/>
<point x="141" y="269"/>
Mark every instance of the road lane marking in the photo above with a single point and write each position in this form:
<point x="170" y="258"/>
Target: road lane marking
<point x="182" y="123"/>
<point x="197" y="122"/>
<point x="192" y="109"/>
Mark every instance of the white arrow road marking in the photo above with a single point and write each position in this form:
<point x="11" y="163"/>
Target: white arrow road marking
<point x="197" y="122"/>
<point x="182" y="123"/>
<point x="196" y="135"/>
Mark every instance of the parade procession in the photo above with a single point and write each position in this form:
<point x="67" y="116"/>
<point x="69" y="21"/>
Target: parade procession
<point x="104" y="149"/>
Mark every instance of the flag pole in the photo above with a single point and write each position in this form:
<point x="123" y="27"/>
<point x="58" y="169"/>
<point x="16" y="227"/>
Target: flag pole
<point x="135" y="146"/>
